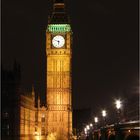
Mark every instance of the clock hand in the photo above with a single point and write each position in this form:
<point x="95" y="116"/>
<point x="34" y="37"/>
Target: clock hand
<point x="57" y="41"/>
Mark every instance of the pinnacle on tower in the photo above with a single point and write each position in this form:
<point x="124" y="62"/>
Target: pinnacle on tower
<point x="33" y="92"/>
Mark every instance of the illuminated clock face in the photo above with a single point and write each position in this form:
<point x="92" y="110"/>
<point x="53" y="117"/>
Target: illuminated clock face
<point x="58" y="41"/>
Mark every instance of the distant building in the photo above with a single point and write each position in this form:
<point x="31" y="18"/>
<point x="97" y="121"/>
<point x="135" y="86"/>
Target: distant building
<point x="10" y="101"/>
<point x="20" y="117"/>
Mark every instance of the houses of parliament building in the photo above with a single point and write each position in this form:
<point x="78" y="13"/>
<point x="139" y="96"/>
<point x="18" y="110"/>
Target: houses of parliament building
<point x="23" y="117"/>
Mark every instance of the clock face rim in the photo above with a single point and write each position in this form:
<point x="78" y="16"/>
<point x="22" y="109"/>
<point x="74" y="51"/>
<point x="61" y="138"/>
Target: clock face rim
<point x="55" y="40"/>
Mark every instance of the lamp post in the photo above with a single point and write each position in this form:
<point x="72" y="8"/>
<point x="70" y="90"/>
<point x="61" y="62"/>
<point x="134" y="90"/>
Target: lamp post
<point x="87" y="127"/>
<point x="104" y="116"/>
<point x="118" y="130"/>
<point x="118" y="104"/>
<point x="96" y="131"/>
<point x="104" y="113"/>
<point x="96" y="121"/>
<point x="85" y="130"/>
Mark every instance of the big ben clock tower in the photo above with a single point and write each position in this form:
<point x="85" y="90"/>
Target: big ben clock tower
<point x="58" y="52"/>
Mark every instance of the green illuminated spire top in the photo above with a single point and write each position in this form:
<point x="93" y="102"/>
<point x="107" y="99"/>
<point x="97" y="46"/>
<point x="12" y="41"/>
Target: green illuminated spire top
<point x="59" y="15"/>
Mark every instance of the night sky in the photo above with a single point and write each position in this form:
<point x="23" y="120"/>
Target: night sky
<point x="105" y="47"/>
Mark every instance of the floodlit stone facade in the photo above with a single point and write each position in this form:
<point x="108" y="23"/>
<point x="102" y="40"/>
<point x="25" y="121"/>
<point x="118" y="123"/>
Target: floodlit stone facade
<point x="59" y="54"/>
<point x="59" y="111"/>
<point x="31" y="118"/>
<point x="27" y="116"/>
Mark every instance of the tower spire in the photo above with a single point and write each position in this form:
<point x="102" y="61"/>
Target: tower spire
<point x="58" y="15"/>
<point x="59" y="6"/>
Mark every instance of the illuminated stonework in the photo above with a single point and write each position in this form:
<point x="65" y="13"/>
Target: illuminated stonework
<point x="32" y="119"/>
<point x="27" y="116"/>
<point x="59" y="113"/>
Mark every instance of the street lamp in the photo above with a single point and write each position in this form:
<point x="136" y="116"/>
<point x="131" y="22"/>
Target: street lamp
<point x="87" y="127"/>
<point x="118" y="104"/>
<point x="85" y="130"/>
<point x="104" y="116"/>
<point x="104" y="113"/>
<point x="96" y="119"/>
<point x="91" y="124"/>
